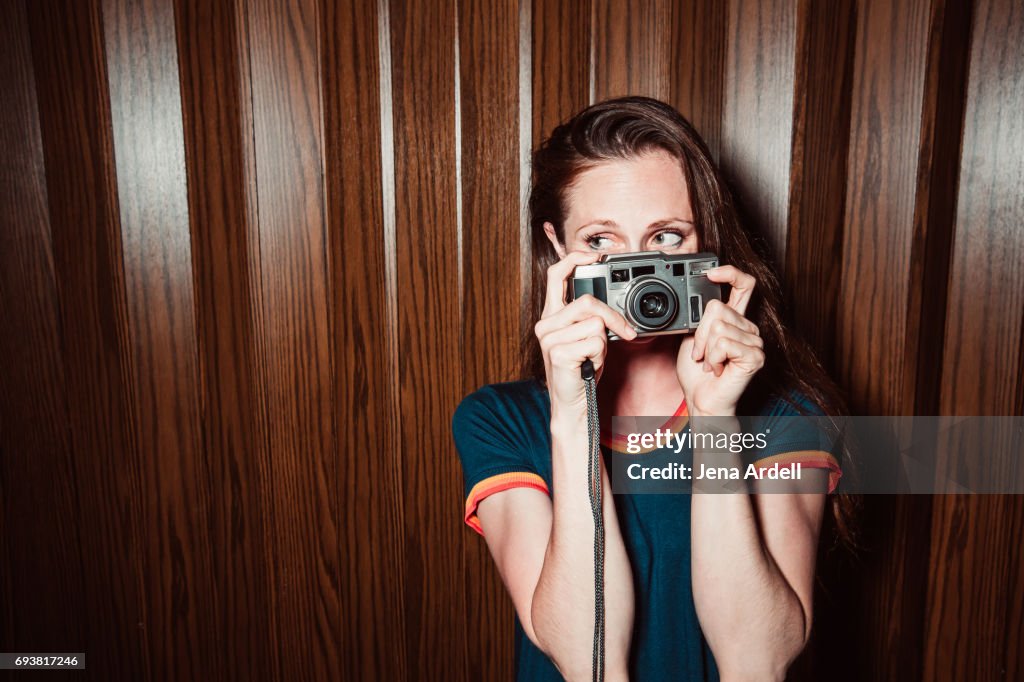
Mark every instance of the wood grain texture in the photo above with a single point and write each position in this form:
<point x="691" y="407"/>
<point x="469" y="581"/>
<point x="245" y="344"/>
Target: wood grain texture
<point x="526" y="137"/>
<point x="817" y="180"/>
<point x="38" y="509"/>
<point x="237" y="462"/>
<point x="365" y="340"/>
<point x="297" y="349"/>
<point x="141" y="52"/>
<point x="488" y="125"/>
<point x="935" y="210"/>
<point x="561" y="62"/>
<point x="887" y="109"/>
<point x="697" y="66"/>
<point x="429" y="279"/>
<point x="885" y="137"/>
<point x="632" y="48"/>
<point x="248" y="257"/>
<point x="75" y="129"/>
<point x="560" y="70"/>
<point x="814" y="239"/>
<point x="975" y="596"/>
<point x="757" y="119"/>
<point x="983" y="332"/>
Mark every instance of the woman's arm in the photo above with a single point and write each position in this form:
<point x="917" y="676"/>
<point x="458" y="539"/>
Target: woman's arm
<point x="546" y="555"/>
<point x="753" y="562"/>
<point x="563" y="603"/>
<point x="550" y="575"/>
<point x="752" y="556"/>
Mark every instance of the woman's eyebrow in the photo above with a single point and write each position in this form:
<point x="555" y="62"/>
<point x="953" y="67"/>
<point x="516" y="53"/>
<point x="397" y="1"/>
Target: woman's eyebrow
<point x="668" y="221"/>
<point x="606" y="222"/>
<point x="603" y="223"/>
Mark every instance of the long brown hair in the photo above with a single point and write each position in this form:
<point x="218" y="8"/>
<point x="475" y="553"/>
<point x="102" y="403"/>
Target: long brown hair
<point x="628" y="127"/>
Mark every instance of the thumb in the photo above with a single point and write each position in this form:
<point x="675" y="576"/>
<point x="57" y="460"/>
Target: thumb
<point x="686" y="347"/>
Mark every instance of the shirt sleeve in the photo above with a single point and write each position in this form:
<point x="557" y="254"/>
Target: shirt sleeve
<point x="494" y="452"/>
<point x="793" y="437"/>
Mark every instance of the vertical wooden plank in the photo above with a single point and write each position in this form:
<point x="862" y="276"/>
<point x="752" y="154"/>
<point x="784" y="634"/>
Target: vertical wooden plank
<point x="873" y="338"/>
<point x="888" y="87"/>
<point x="561" y="62"/>
<point x="8" y="630"/>
<point x="697" y="66"/>
<point x="234" y="438"/>
<point x="526" y="139"/>
<point x="817" y="183"/>
<point x="141" y="51"/>
<point x="488" y="106"/>
<point x="935" y="209"/>
<point x="294" y="269"/>
<point x="631" y="48"/>
<point x="757" y="122"/>
<point x="429" y="278"/>
<point x="975" y="595"/>
<point x="42" y="587"/>
<point x="814" y="238"/>
<point x="75" y="128"/>
<point x="986" y="284"/>
<point x="365" y="340"/>
<point x="561" y="80"/>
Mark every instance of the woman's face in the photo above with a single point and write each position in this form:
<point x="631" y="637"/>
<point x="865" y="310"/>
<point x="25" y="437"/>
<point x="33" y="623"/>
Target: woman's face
<point x="623" y="206"/>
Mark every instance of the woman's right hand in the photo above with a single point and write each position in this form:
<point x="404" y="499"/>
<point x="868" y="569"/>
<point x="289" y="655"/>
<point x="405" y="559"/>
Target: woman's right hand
<point x="571" y="333"/>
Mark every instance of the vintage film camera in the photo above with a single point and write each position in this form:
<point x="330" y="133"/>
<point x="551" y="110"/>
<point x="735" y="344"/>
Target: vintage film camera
<point x="658" y="293"/>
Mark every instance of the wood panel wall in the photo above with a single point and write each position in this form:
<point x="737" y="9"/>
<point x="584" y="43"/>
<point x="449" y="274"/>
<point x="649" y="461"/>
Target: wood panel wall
<point x="255" y="251"/>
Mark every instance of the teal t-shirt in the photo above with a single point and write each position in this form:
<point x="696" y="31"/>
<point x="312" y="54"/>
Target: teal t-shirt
<point x="502" y="434"/>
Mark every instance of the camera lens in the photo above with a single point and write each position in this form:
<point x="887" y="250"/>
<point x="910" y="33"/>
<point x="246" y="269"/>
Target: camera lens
<point x="653" y="305"/>
<point x="650" y="304"/>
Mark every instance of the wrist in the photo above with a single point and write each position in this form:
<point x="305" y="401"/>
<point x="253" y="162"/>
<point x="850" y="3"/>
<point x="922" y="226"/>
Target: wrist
<point x="710" y="411"/>
<point x="714" y="425"/>
<point x="568" y="422"/>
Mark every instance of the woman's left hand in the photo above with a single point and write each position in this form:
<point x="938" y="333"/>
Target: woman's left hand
<point x="716" y="364"/>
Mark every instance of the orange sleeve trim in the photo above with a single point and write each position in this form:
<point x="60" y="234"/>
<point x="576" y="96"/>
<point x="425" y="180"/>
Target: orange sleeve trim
<point x="812" y="459"/>
<point x="495" y="484"/>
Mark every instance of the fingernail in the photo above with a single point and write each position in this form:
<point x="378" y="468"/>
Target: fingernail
<point x="707" y="366"/>
<point x="693" y="353"/>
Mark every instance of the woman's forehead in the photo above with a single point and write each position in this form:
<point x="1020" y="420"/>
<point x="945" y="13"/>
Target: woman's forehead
<point x="651" y="182"/>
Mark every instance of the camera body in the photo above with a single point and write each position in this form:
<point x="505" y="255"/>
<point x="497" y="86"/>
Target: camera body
<point x="658" y="293"/>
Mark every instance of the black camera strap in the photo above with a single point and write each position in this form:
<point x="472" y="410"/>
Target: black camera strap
<point x="594" y="490"/>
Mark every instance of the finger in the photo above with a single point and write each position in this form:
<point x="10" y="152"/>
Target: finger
<point x="572" y="355"/>
<point x="596" y="348"/>
<point x="715" y="311"/>
<point x="722" y="329"/>
<point x="559" y="272"/>
<point x="742" y="285"/>
<point x="591" y="326"/>
<point x="583" y="307"/>
<point x="729" y="350"/>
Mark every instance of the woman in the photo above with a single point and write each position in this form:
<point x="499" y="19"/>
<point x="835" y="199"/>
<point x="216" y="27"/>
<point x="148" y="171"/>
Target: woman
<point x="696" y="587"/>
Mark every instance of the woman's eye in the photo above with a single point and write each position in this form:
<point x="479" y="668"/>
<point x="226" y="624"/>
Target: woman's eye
<point x="599" y="242"/>
<point x="668" y="240"/>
